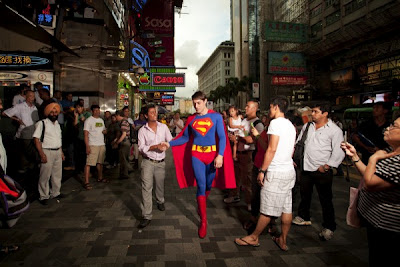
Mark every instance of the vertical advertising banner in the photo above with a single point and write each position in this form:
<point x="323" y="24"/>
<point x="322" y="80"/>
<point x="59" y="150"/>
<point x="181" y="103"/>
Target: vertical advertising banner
<point x="158" y="31"/>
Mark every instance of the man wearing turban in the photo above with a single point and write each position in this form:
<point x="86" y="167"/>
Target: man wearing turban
<point x="47" y="138"/>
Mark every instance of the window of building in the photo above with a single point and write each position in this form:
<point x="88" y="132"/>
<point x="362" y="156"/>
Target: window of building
<point x="316" y="11"/>
<point x="329" y="3"/>
<point x="227" y="72"/>
<point x="227" y="63"/>
<point x="332" y="18"/>
<point x="229" y="55"/>
<point x="353" y="6"/>
<point x="224" y="55"/>
<point x="317" y="27"/>
<point x="226" y="80"/>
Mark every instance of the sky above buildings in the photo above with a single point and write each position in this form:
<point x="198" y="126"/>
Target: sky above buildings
<point x="197" y="34"/>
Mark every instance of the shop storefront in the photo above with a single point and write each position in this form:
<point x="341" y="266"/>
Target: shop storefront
<point x="18" y="68"/>
<point x="128" y="94"/>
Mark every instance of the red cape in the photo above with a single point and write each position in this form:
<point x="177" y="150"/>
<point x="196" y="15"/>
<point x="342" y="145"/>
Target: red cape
<point x="225" y="176"/>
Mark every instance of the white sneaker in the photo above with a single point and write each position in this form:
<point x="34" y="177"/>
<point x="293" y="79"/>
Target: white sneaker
<point x="300" y="221"/>
<point x="326" y="234"/>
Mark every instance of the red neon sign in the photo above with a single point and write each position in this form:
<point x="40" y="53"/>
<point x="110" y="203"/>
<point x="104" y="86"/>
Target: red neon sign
<point x="168" y="79"/>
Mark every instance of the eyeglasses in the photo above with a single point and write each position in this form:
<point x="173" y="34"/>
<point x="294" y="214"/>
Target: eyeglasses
<point x="391" y="127"/>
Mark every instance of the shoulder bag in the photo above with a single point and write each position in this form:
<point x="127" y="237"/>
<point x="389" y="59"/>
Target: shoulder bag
<point x="298" y="156"/>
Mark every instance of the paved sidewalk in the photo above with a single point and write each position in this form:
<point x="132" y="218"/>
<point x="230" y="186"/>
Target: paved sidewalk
<point x="99" y="228"/>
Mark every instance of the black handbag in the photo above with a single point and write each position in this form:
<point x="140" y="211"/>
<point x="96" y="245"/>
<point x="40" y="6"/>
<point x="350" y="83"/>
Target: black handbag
<point x="298" y="156"/>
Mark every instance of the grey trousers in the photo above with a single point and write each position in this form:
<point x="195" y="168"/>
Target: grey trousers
<point x="52" y="169"/>
<point x="151" y="171"/>
<point x="123" y="150"/>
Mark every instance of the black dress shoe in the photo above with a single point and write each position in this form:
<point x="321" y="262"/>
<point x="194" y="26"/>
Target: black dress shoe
<point x="44" y="202"/>
<point x="143" y="223"/>
<point x="161" y="206"/>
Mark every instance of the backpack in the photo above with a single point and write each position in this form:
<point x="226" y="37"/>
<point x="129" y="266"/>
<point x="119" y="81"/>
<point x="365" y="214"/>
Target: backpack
<point x="13" y="199"/>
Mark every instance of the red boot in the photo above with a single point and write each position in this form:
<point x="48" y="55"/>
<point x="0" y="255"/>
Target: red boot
<point x="207" y="194"/>
<point x="201" y="202"/>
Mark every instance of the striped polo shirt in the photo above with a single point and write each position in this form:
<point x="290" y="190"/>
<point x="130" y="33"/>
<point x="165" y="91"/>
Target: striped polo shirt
<point x="382" y="208"/>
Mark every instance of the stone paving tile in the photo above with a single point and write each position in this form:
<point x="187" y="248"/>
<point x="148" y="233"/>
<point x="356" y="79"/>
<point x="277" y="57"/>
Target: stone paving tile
<point x="99" y="228"/>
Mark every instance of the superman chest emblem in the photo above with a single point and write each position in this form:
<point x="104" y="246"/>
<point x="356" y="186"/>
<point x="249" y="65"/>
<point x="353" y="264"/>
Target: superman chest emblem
<point x="202" y="126"/>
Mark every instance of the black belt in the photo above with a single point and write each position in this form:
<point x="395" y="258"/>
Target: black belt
<point x="52" y="149"/>
<point x="154" y="160"/>
<point x="243" y="152"/>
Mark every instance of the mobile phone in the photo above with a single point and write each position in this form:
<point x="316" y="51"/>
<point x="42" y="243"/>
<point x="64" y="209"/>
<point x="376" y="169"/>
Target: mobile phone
<point x="345" y="136"/>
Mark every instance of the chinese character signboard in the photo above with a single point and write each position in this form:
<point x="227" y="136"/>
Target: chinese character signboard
<point x="286" y="32"/>
<point x="289" y="80"/>
<point x="286" y="63"/>
<point x="16" y="60"/>
<point x="46" y="20"/>
<point x="168" y="79"/>
<point x="167" y="99"/>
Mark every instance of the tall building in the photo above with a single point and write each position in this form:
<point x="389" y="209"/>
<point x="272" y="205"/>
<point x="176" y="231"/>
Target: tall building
<point x="350" y="54"/>
<point x="218" y="68"/>
<point x="354" y="49"/>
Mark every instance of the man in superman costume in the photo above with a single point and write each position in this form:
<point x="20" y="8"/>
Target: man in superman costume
<point x="199" y="152"/>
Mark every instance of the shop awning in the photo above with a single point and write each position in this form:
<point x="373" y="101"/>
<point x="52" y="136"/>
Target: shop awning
<point x="11" y="20"/>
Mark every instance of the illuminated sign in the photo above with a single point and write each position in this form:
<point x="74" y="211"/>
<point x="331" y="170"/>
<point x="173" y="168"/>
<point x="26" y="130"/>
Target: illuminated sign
<point x="167" y="99"/>
<point x="138" y="5"/>
<point x="289" y="80"/>
<point x="168" y="79"/>
<point x="140" y="57"/>
<point x="145" y="83"/>
<point x="4" y="76"/>
<point x="45" y="20"/>
<point x="19" y="61"/>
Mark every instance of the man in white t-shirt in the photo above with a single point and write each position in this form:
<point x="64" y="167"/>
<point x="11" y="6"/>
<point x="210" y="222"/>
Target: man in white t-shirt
<point x="276" y="176"/>
<point x="94" y="131"/>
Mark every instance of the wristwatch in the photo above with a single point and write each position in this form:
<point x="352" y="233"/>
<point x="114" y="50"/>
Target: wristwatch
<point x="261" y="170"/>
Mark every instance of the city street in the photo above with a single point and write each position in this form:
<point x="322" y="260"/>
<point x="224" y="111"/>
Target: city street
<point x="99" y="228"/>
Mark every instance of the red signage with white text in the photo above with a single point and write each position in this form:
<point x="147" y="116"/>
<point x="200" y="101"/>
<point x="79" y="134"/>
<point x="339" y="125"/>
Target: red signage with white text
<point x="289" y="80"/>
<point x="168" y="79"/>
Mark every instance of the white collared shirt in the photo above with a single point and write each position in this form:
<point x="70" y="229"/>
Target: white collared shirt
<point x="52" y="134"/>
<point x="28" y="115"/>
<point x="147" y="138"/>
<point x="322" y="146"/>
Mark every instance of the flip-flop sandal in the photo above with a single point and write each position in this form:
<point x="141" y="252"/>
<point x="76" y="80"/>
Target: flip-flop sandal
<point x="87" y="186"/>
<point x="275" y="239"/>
<point x="8" y="249"/>
<point x="245" y="243"/>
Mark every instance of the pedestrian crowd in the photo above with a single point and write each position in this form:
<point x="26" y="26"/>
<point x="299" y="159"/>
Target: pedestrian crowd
<point x="261" y="159"/>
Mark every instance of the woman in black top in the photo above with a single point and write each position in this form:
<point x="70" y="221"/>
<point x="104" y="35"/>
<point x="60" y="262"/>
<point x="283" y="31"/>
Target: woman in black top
<point x="379" y="199"/>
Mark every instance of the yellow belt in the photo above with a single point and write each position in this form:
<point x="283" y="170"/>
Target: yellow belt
<point x="204" y="149"/>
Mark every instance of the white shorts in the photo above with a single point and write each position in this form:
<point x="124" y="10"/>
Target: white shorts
<point x="276" y="194"/>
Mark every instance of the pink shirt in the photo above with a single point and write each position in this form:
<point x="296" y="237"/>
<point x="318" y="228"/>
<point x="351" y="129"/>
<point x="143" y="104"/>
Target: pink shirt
<point x="147" y="138"/>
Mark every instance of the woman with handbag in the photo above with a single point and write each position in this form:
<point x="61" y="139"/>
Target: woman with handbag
<point x="379" y="198"/>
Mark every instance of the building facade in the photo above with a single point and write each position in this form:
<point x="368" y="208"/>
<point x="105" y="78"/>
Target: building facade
<point x="217" y="69"/>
